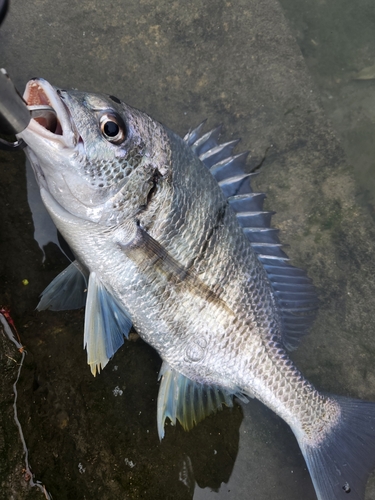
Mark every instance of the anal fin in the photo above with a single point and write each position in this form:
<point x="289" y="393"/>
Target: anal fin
<point x="187" y="401"/>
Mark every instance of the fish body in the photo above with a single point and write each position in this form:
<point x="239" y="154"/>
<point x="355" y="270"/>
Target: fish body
<point x="172" y="240"/>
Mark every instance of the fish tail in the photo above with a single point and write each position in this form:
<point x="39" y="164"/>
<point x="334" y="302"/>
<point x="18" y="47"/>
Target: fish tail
<point x="341" y="462"/>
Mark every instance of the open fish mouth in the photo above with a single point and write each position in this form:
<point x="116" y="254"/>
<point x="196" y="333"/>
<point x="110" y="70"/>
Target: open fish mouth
<point x="51" y="118"/>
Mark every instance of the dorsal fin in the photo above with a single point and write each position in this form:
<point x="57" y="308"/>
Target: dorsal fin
<point x="188" y="402"/>
<point x="218" y="153"/>
<point x="193" y="135"/>
<point x="293" y="291"/>
<point x="207" y="141"/>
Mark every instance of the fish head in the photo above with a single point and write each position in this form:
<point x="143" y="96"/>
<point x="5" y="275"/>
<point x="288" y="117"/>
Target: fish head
<point x="99" y="158"/>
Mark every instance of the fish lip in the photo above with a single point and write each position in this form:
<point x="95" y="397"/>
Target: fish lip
<point x="38" y="91"/>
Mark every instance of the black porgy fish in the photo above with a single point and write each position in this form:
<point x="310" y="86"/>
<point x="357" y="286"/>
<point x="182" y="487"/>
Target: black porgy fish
<point x="169" y="237"/>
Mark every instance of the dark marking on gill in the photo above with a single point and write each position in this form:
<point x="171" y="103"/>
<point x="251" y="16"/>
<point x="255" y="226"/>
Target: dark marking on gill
<point x="152" y="183"/>
<point x="155" y="180"/>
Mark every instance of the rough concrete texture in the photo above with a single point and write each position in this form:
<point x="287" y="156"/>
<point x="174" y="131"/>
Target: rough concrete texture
<point x="337" y="42"/>
<point x="237" y="64"/>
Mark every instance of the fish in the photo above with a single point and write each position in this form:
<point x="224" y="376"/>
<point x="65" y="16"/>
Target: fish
<point x="170" y="238"/>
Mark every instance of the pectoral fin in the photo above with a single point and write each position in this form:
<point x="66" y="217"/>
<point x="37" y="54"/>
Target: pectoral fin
<point x="67" y="291"/>
<point x="106" y="323"/>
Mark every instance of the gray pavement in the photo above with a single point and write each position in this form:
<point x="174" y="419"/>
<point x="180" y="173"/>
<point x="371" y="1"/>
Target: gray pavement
<point x="235" y="63"/>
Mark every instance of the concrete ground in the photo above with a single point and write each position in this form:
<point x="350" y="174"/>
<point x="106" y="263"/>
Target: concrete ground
<point x="235" y="63"/>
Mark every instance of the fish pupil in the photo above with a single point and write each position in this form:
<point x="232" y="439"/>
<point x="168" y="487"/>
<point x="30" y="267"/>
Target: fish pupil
<point x="111" y="129"/>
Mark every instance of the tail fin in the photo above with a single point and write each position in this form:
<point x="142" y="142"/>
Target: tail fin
<point x="340" y="465"/>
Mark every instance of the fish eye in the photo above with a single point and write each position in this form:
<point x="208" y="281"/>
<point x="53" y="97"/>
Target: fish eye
<point x="112" y="128"/>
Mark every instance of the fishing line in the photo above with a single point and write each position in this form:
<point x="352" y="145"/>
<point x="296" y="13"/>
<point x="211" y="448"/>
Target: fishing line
<point x="28" y="475"/>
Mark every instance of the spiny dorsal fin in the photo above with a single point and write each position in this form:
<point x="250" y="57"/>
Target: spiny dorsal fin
<point x="188" y="402"/>
<point x="106" y="323"/>
<point x="293" y="290"/>
<point x="193" y="135"/>
<point x="207" y="141"/>
<point x="67" y="291"/>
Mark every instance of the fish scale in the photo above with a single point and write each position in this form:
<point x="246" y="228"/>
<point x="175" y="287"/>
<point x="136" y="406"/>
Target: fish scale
<point x="180" y="247"/>
<point x="258" y="297"/>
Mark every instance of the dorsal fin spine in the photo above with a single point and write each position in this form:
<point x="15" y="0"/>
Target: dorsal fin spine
<point x="230" y="173"/>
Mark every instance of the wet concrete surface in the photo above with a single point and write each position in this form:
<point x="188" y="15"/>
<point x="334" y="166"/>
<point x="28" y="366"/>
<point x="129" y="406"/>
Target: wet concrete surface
<point x="337" y="43"/>
<point x="236" y="63"/>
